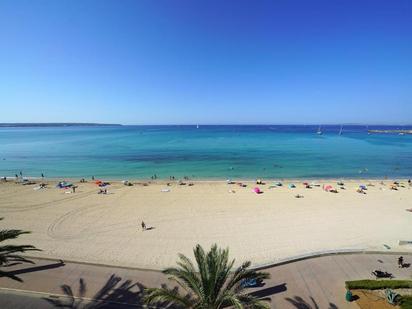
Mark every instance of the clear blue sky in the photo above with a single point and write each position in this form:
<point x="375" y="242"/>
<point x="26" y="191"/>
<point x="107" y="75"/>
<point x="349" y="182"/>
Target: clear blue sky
<point x="226" y="61"/>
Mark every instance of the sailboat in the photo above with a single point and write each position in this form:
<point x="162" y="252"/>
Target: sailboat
<point x="341" y="129"/>
<point x="319" y="132"/>
<point x="197" y="126"/>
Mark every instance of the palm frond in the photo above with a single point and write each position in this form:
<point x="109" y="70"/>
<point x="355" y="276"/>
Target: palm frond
<point x="253" y="302"/>
<point x="188" y="280"/>
<point x="10" y="254"/>
<point x="243" y="273"/>
<point x="211" y="285"/>
<point x="166" y="295"/>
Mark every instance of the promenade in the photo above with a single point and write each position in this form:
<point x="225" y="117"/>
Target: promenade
<point x="310" y="283"/>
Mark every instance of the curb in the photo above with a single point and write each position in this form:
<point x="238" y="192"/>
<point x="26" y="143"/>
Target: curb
<point x="328" y="253"/>
<point x="279" y="262"/>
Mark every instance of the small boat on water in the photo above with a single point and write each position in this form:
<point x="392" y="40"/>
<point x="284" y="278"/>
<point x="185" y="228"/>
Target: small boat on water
<point x="341" y="129"/>
<point x="319" y="132"/>
<point x="197" y="126"/>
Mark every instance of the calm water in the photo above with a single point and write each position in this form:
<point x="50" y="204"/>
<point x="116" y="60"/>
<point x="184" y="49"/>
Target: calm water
<point x="208" y="152"/>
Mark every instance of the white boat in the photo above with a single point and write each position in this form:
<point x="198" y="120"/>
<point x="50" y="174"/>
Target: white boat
<point x="341" y="129"/>
<point x="197" y="126"/>
<point x="319" y="132"/>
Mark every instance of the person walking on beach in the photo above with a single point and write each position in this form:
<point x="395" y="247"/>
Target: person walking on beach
<point x="400" y="262"/>
<point x="21" y="174"/>
<point x="143" y="226"/>
<point x="42" y="176"/>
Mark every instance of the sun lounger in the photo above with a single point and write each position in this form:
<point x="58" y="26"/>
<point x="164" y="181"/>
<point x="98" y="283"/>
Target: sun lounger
<point x="382" y="274"/>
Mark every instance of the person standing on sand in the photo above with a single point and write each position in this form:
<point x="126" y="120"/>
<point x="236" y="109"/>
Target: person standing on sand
<point x="143" y="226"/>
<point x="400" y="262"/>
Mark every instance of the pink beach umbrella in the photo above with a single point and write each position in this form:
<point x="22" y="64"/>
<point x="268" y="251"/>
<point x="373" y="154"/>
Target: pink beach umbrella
<point x="257" y="190"/>
<point x="327" y="188"/>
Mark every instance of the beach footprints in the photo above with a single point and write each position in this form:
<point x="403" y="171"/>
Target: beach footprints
<point x="71" y="224"/>
<point x="85" y="222"/>
<point x="12" y="207"/>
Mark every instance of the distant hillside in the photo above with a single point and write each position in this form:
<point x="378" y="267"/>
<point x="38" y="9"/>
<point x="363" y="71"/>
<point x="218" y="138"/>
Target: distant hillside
<point x="57" y="124"/>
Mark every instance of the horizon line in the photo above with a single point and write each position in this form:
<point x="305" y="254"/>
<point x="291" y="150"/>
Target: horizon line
<point x="197" y="124"/>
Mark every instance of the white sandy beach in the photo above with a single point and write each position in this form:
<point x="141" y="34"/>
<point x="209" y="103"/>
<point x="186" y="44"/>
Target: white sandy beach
<point x="90" y="227"/>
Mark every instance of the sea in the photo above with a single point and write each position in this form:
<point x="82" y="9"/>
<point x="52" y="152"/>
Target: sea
<point x="215" y="152"/>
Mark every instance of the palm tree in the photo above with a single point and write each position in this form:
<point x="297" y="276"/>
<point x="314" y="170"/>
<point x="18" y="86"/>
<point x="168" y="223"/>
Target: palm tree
<point x="10" y="254"/>
<point x="211" y="285"/>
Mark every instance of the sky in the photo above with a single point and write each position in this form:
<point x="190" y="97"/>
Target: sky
<point x="206" y="62"/>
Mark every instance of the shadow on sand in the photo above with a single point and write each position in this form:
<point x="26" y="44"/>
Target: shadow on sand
<point x="300" y="303"/>
<point x="13" y="274"/>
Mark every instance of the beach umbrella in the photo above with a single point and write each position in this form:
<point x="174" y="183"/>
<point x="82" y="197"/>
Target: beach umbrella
<point x="257" y="190"/>
<point x="327" y="188"/>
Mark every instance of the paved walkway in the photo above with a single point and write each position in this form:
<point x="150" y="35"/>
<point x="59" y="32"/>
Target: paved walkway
<point x="311" y="283"/>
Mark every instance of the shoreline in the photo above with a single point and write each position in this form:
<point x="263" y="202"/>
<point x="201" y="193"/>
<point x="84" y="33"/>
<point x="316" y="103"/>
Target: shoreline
<point x="211" y="180"/>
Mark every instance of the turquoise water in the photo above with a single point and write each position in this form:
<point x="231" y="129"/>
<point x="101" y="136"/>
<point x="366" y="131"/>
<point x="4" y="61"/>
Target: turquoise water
<point x="215" y="152"/>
